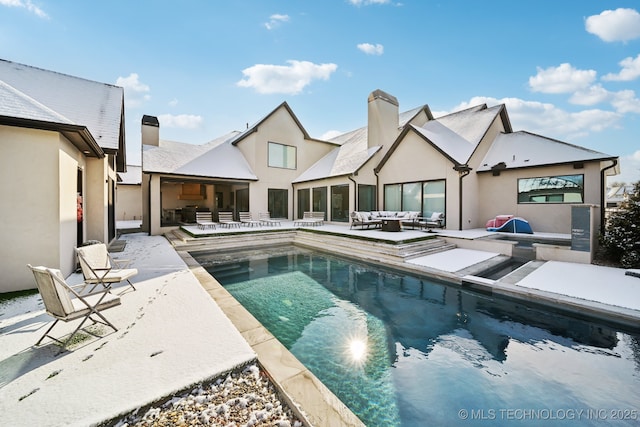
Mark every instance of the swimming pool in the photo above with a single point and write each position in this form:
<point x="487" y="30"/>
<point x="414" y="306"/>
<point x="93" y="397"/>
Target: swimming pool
<point x="401" y="350"/>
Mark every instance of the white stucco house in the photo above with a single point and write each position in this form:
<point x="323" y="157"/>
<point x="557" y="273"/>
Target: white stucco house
<point x="129" y="203"/>
<point x="62" y="141"/>
<point x="470" y="165"/>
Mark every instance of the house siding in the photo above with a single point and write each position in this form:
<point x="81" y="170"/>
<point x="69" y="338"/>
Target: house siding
<point x="500" y="196"/>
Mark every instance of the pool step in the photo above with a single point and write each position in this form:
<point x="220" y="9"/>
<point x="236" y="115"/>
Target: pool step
<point x="375" y="251"/>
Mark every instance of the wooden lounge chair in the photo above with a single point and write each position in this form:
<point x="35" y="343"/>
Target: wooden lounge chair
<point x="226" y="220"/>
<point x="204" y="221"/>
<point x="99" y="267"/>
<point x="246" y="219"/>
<point x="64" y="303"/>
<point x="265" y="219"/>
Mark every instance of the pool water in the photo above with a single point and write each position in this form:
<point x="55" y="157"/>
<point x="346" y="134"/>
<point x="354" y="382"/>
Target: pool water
<point x="401" y="350"/>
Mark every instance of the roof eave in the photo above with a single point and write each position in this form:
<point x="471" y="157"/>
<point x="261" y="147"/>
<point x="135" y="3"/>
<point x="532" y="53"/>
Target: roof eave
<point x="79" y="136"/>
<point x="542" y="165"/>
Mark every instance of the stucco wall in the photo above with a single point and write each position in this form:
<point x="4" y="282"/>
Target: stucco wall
<point x="129" y="202"/>
<point x="38" y="187"/>
<point x="499" y="196"/>
<point x="416" y="160"/>
<point x="282" y="129"/>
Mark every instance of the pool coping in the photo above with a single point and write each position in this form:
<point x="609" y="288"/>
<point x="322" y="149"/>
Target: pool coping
<point x="299" y="387"/>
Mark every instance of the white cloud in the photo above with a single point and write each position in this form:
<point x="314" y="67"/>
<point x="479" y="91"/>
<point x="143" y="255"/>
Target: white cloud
<point x="630" y="70"/>
<point x="173" y="102"/>
<point x="625" y="101"/>
<point x="368" y="2"/>
<point x="629" y="169"/>
<point x="548" y="120"/>
<point x="183" y="121"/>
<point x="561" y="79"/>
<point x="275" y="20"/>
<point x="27" y="5"/>
<point x="330" y="134"/>
<point x="615" y="25"/>
<point x="590" y="96"/>
<point x="135" y="92"/>
<point x="288" y="79"/>
<point x="371" y="49"/>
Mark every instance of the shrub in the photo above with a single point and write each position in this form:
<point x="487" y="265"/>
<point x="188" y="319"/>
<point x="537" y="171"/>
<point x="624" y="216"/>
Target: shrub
<point x="621" y="239"/>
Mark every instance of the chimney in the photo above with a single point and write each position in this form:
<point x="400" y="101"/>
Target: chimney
<point x="383" y="119"/>
<point x="150" y="131"/>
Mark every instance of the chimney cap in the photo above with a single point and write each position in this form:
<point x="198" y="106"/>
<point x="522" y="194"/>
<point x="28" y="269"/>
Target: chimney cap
<point x="150" y="121"/>
<point x="379" y="94"/>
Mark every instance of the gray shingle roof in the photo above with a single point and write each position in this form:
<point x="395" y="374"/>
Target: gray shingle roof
<point x="44" y="95"/>
<point x="216" y="159"/>
<point x="523" y="149"/>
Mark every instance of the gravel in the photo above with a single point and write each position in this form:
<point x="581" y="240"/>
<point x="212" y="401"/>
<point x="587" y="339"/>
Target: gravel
<point x="243" y="398"/>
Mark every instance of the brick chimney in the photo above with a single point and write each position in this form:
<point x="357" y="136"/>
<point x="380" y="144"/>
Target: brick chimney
<point x="150" y="131"/>
<point x="383" y="119"/>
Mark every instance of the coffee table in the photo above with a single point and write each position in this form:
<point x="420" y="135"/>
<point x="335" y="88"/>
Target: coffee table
<point x="391" y="224"/>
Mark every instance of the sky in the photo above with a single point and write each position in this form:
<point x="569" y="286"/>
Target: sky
<point x="568" y="70"/>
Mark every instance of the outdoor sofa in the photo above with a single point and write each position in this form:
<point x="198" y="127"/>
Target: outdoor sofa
<point x="374" y="218"/>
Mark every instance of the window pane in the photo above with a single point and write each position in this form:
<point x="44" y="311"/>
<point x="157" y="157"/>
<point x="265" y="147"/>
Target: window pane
<point x="340" y="203"/>
<point x="392" y="197"/>
<point x="411" y="197"/>
<point x="366" y="198"/>
<point x="320" y="200"/>
<point x="281" y="156"/>
<point x="551" y="189"/>
<point x="303" y="202"/>
<point x="278" y="203"/>
<point x="434" y="197"/>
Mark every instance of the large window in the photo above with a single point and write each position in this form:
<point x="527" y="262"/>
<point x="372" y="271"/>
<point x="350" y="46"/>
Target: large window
<point x="282" y="156"/>
<point x="426" y="197"/>
<point x="366" y="198"/>
<point x="340" y="203"/>
<point x="551" y="189"/>
<point x="433" y="197"/>
<point x="319" y="200"/>
<point x="393" y="197"/>
<point x="304" y="202"/>
<point x="278" y="203"/>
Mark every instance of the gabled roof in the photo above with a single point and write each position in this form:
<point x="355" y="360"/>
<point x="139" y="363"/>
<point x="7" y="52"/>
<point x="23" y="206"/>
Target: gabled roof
<point x="43" y="99"/>
<point x="473" y="123"/>
<point x="446" y="141"/>
<point x="457" y="135"/>
<point x="353" y="151"/>
<point x="133" y="176"/>
<point x="524" y="149"/>
<point x="337" y="163"/>
<point x="216" y="159"/>
<point x="254" y="128"/>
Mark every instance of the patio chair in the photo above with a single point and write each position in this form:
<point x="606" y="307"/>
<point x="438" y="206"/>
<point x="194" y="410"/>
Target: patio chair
<point x="204" y="220"/>
<point x="436" y="220"/>
<point x="99" y="267"/>
<point x="58" y="301"/>
<point x="246" y="219"/>
<point x="265" y="218"/>
<point x="226" y="220"/>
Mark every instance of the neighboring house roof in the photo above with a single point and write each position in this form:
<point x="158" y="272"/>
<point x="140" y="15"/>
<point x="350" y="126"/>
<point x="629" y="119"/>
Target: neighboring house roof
<point x="216" y="159"/>
<point x="133" y="176"/>
<point x="48" y="97"/>
<point x="523" y="149"/>
<point x="619" y="193"/>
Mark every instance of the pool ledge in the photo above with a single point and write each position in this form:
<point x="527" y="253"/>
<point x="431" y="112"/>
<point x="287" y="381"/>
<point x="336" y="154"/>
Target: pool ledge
<point x="305" y="393"/>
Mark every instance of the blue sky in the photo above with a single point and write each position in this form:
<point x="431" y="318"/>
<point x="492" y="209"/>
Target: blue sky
<point x="566" y="69"/>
